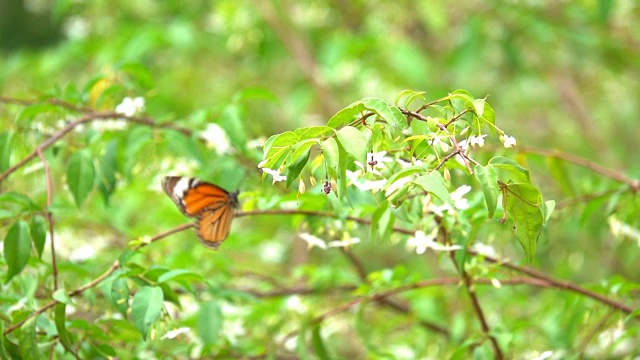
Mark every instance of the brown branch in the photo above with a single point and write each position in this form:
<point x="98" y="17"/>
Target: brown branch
<point x="619" y="176"/>
<point x="96" y="281"/>
<point x="49" y="215"/>
<point x="443" y="128"/>
<point x="86" y="119"/>
<point x="559" y="284"/>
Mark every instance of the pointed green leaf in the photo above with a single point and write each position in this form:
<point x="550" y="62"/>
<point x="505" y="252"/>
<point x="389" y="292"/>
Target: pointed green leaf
<point x="354" y="142"/>
<point x="295" y="168"/>
<point x="331" y="152"/>
<point x="313" y="132"/>
<point x="209" y="322"/>
<point x="146" y="308"/>
<point x="60" y="317"/>
<point x="108" y="169"/>
<point x="119" y="294"/>
<point x="408" y="171"/>
<point x="5" y="150"/>
<point x="17" y="247"/>
<point x="488" y="178"/>
<point x="433" y="183"/>
<point x="80" y="175"/>
<point x="509" y="170"/>
<point x="61" y="296"/>
<point x="318" y="344"/>
<point x="38" y="231"/>
<point x="28" y="342"/>
<point x="179" y="275"/>
<point x="523" y="206"/>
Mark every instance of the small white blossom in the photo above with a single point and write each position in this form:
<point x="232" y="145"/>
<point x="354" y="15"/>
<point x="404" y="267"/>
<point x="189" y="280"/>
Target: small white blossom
<point x="484" y="249"/>
<point x="129" y="106"/>
<point x="405" y="164"/>
<point x="217" y="139"/>
<point x="355" y="177"/>
<point x="295" y="303"/>
<point x="109" y="125"/>
<point x="344" y="243"/>
<point x="421" y="242"/>
<point x="443" y="145"/>
<point x="313" y="241"/>
<point x="276" y="175"/>
<point x="472" y="141"/>
<point x="459" y="202"/>
<point x="508" y="141"/>
<point x="379" y="159"/>
<point x="175" y="332"/>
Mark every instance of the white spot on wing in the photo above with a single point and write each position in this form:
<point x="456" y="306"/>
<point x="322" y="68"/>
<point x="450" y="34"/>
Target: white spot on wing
<point x="180" y="188"/>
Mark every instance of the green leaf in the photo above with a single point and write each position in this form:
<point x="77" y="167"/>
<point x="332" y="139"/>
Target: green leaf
<point x="509" y="170"/>
<point x="119" y="292"/>
<point x="523" y="206"/>
<point x="61" y="296"/>
<point x="34" y="110"/>
<point x="388" y="112"/>
<point x="354" y="142"/>
<point x="80" y="175"/>
<point x="313" y="132"/>
<point x="38" y="231"/>
<point x="318" y="344"/>
<point x="108" y="169"/>
<point x="408" y="171"/>
<point x="209" y="322"/>
<point x="178" y="275"/>
<point x="301" y="342"/>
<point x="232" y="122"/>
<point x="488" y="178"/>
<point x="5" y="150"/>
<point x="295" y="168"/>
<point x="331" y="152"/>
<point x="382" y="222"/>
<point x="433" y="183"/>
<point x="60" y="317"/>
<point x="137" y="138"/>
<point x="478" y="107"/>
<point x="28" y="342"/>
<point x="146" y="308"/>
<point x="17" y="247"/>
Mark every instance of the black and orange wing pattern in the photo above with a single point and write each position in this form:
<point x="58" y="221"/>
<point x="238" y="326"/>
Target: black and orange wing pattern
<point x="212" y="206"/>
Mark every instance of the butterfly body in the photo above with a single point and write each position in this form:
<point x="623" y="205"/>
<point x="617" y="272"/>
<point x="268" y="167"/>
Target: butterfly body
<point x="212" y="206"/>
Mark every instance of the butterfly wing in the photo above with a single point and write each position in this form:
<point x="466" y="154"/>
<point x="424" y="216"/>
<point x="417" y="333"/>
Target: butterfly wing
<point x="213" y="225"/>
<point x="211" y="205"/>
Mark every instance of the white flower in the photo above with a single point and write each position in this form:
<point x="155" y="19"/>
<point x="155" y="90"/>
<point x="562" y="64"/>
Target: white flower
<point x="421" y="242"/>
<point x="109" y="125"/>
<point x="295" y="303"/>
<point x="276" y="175"/>
<point x="509" y="141"/>
<point x="459" y="202"/>
<point x="174" y="333"/>
<point x="443" y="145"/>
<point x="129" y="106"/>
<point x="378" y="160"/>
<point x="344" y="243"/>
<point x="484" y="249"/>
<point x="405" y="164"/>
<point x="473" y="141"/>
<point x="477" y="140"/>
<point x="363" y="184"/>
<point x="313" y="241"/>
<point x="216" y="139"/>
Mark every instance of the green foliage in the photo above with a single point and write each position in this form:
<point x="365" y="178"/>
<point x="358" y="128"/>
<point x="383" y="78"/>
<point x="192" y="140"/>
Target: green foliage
<point x="406" y="216"/>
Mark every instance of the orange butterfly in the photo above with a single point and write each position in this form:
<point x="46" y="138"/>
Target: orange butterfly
<point x="211" y="205"/>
